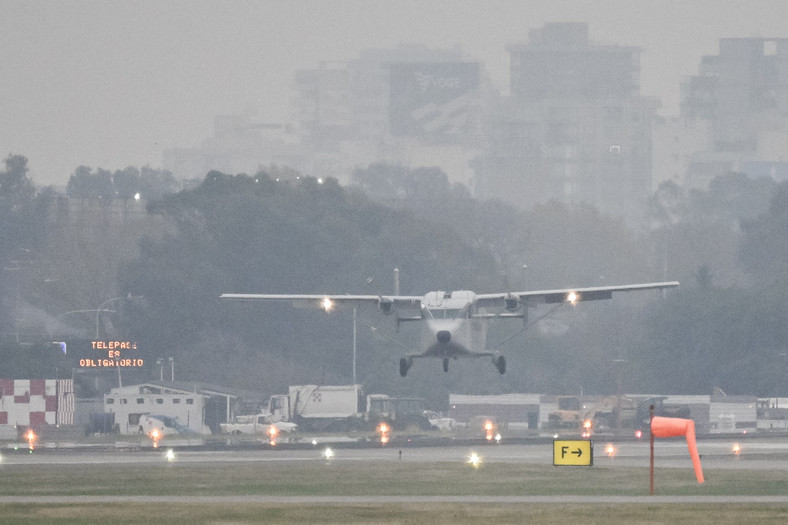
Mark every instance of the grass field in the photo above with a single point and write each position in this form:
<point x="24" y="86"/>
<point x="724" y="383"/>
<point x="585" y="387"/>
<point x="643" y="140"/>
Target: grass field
<point x="337" y="478"/>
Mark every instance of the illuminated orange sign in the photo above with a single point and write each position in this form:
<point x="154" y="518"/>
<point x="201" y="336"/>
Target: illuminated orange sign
<point x="111" y="354"/>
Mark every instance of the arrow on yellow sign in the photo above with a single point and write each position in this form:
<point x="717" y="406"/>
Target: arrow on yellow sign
<point x="573" y="452"/>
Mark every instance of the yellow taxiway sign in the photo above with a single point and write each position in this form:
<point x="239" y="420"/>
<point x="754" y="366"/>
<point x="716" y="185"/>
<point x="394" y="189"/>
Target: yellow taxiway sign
<point x="574" y="452"/>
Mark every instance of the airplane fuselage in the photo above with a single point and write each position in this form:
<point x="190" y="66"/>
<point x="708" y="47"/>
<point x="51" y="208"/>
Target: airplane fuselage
<point x="450" y="330"/>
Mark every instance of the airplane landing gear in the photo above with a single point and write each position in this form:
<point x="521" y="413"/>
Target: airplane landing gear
<point x="404" y="366"/>
<point x="500" y="364"/>
<point x="445" y="365"/>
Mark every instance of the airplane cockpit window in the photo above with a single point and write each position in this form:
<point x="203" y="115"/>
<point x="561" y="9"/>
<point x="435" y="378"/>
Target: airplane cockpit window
<point x="448" y="313"/>
<point x="453" y="313"/>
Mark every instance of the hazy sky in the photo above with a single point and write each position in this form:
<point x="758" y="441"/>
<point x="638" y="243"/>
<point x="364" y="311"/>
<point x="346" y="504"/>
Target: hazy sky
<point x="114" y="83"/>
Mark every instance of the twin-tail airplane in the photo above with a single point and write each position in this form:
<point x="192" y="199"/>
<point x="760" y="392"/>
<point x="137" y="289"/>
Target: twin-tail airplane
<point x="455" y="323"/>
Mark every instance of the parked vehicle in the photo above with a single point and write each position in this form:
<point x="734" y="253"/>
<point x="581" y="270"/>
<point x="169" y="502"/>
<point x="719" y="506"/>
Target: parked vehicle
<point x="334" y="408"/>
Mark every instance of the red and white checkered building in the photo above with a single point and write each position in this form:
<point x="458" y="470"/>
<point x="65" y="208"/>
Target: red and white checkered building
<point x="36" y="402"/>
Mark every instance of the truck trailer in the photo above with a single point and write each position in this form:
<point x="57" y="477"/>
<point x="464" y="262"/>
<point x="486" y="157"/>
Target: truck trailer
<point x="335" y="408"/>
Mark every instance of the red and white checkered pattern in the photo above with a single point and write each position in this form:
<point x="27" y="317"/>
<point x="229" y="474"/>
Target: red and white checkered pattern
<point x="35" y="402"/>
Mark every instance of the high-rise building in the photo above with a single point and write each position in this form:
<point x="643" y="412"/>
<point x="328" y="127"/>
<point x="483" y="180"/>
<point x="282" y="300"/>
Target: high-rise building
<point x="574" y="127"/>
<point x="410" y="105"/>
<point x="741" y="95"/>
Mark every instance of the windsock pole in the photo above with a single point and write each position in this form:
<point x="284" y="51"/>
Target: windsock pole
<point x="664" y="427"/>
<point x="651" y="449"/>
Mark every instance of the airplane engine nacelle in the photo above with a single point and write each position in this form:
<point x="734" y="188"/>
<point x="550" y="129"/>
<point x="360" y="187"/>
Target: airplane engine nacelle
<point x="512" y="302"/>
<point x="386" y="306"/>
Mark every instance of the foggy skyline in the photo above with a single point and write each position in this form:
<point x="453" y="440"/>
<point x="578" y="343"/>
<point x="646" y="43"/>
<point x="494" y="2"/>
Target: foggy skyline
<point x="112" y="84"/>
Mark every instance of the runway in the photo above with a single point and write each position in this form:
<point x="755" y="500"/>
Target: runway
<point x="753" y="453"/>
<point x="735" y="452"/>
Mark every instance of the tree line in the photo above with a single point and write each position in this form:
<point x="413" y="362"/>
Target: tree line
<point x="724" y="327"/>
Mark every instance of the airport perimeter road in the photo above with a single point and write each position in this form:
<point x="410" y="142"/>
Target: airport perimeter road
<point x="377" y="500"/>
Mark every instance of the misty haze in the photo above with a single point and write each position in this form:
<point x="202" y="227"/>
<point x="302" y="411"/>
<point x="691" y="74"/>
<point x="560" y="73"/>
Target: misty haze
<point x="157" y="156"/>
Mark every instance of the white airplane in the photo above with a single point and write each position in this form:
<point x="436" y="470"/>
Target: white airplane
<point x="454" y="323"/>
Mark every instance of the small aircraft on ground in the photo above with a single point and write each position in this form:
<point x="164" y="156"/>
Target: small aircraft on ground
<point x="455" y="323"/>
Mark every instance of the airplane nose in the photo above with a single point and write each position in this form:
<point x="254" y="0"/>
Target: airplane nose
<point x="444" y="336"/>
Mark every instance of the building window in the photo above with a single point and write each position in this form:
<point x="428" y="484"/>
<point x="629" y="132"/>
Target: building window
<point x="110" y="401"/>
<point x="140" y="400"/>
<point x="176" y="401"/>
<point x="124" y="401"/>
<point x="159" y="401"/>
<point x="190" y="401"/>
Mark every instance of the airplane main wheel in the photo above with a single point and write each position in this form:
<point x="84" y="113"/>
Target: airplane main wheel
<point x="500" y="364"/>
<point x="445" y="365"/>
<point x="404" y="366"/>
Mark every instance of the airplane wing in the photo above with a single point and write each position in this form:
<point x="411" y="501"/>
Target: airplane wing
<point x="510" y="300"/>
<point x="571" y="295"/>
<point x="386" y="303"/>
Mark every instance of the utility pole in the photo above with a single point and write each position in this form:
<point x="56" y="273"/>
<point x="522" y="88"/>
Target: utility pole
<point x="354" y="345"/>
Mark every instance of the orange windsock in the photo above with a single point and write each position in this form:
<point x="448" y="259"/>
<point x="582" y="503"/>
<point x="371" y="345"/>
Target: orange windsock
<point x="663" y="427"/>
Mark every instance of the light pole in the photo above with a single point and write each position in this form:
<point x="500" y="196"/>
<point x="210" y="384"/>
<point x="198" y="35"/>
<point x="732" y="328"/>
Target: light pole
<point x="99" y="310"/>
<point x="618" y="364"/>
<point x="91" y="310"/>
<point x="160" y="364"/>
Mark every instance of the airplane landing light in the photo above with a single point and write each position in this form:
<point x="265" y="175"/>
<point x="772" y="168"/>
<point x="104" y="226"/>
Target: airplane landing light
<point x="572" y="298"/>
<point x="327" y="304"/>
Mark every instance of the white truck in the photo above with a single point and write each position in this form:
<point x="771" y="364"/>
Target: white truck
<point x="320" y="408"/>
<point x="310" y="408"/>
<point x="334" y="408"/>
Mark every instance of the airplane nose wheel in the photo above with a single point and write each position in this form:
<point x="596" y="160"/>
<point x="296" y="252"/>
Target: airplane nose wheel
<point x="445" y="365"/>
<point x="404" y="366"/>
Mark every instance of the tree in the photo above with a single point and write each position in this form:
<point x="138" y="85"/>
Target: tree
<point x="155" y="184"/>
<point x="245" y="233"/>
<point x="692" y="229"/>
<point x="24" y="219"/>
<point x="86" y="184"/>
<point x="17" y="194"/>
<point x="15" y="187"/>
<point x="127" y="182"/>
<point x="701" y="338"/>
<point x="764" y="249"/>
<point x="579" y="246"/>
<point x="102" y="184"/>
